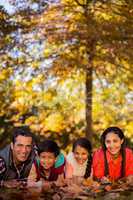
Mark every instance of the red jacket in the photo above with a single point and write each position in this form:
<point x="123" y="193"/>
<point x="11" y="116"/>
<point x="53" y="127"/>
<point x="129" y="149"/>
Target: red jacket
<point x="113" y="165"/>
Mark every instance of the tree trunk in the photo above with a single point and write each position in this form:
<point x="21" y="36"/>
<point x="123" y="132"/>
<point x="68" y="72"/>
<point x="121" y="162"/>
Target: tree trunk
<point x="89" y="76"/>
<point x="89" y="102"/>
<point x="89" y="89"/>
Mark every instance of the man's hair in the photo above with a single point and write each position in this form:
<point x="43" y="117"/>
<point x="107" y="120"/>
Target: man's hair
<point x="23" y="131"/>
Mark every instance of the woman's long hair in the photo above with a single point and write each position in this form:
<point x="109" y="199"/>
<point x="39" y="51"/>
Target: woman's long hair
<point x="85" y="143"/>
<point x="120" y="134"/>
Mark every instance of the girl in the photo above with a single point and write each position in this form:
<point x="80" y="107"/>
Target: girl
<point x="49" y="166"/>
<point x="78" y="162"/>
<point x="113" y="160"/>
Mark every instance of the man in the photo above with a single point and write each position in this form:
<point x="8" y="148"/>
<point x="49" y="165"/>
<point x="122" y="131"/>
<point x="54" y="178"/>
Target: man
<point x="16" y="159"/>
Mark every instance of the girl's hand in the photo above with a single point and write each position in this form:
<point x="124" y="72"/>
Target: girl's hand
<point x="68" y="181"/>
<point x="61" y="181"/>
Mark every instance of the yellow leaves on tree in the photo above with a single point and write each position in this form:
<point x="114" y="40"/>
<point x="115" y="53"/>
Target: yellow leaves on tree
<point x="5" y="74"/>
<point x="47" y="96"/>
<point x="129" y="130"/>
<point x="54" y="122"/>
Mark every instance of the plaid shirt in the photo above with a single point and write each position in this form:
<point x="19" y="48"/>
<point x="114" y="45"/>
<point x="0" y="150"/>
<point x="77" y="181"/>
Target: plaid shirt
<point x="2" y="166"/>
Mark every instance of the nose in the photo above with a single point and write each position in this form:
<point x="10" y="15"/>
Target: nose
<point x="24" y="149"/>
<point x="111" y="144"/>
<point x="80" y="157"/>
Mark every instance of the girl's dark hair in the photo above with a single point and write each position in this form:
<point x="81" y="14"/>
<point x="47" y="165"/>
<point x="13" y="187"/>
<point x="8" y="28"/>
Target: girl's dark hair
<point x="49" y="146"/>
<point x="120" y="134"/>
<point x="85" y="143"/>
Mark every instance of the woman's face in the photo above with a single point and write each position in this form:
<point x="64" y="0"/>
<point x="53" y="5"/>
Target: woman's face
<point x="113" y="143"/>
<point x="80" y="154"/>
<point x="47" y="159"/>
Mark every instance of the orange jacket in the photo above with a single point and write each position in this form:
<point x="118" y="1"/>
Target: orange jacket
<point x="113" y="165"/>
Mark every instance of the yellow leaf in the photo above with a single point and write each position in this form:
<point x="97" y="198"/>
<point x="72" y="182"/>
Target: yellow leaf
<point x="54" y="122"/>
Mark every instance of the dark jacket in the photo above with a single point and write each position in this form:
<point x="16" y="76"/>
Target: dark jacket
<point x="11" y="171"/>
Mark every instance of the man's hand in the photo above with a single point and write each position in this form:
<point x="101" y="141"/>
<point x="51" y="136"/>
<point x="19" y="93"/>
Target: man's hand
<point x="11" y="184"/>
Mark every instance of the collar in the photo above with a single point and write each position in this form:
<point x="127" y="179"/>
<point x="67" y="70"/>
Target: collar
<point x="110" y="158"/>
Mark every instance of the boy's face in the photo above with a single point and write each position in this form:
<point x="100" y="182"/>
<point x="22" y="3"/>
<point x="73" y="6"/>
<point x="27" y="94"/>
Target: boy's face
<point x="47" y="159"/>
<point x="21" y="149"/>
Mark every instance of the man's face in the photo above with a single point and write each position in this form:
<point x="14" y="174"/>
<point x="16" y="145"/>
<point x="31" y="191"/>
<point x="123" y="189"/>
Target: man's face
<point x="21" y="148"/>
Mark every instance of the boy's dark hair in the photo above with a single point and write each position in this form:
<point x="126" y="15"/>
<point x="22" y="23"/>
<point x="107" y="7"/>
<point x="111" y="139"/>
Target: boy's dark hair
<point x="120" y="134"/>
<point x="49" y="146"/>
<point x="85" y="143"/>
<point x="23" y="131"/>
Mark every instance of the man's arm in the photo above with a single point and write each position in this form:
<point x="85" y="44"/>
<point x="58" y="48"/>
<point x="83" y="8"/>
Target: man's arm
<point x="2" y="167"/>
<point x="8" y="183"/>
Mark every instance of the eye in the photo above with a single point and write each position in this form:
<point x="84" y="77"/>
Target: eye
<point x="19" y="145"/>
<point x="42" y="157"/>
<point x="107" y="141"/>
<point x="115" y="141"/>
<point x="76" y="154"/>
<point x="28" y="146"/>
<point x="51" y="157"/>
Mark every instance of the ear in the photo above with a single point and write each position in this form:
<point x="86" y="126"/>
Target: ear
<point x="11" y="145"/>
<point x="122" y="141"/>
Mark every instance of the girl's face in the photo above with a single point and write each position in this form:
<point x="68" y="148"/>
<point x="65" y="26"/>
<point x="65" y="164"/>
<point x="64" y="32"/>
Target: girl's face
<point x="47" y="159"/>
<point x="80" y="154"/>
<point x="113" y="143"/>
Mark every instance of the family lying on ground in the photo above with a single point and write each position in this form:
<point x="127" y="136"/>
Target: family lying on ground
<point x="21" y="163"/>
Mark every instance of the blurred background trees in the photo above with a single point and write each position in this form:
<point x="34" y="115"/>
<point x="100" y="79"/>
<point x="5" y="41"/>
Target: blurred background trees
<point x="66" y="68"/>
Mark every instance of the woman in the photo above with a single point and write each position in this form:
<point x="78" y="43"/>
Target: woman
<point x="113" y="160"/>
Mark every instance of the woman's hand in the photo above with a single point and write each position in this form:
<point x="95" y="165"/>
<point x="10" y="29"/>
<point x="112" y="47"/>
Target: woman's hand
<point x="105" y="180"/>
<point x="130" y="179"/>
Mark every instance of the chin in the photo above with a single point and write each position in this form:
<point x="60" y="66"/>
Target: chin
<point x="81" y="163"/>
<point x="23" y="159"/>
<point x="48" y="167"/>
<point x="114" y="153"/>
